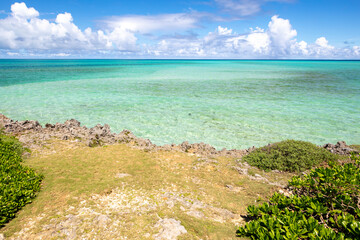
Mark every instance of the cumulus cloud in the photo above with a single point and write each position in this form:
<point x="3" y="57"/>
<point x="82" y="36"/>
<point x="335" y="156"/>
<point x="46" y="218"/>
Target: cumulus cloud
<point x="23" y="29"/>
<point x="259" y="40"/>
<point x="277" y="41"/>
<point x="20" y="10"/>
<point x="356" y="50"/>
<point x="281" y="35"/>
<point x="323" y="43"/>
<point x="23" y="33"/>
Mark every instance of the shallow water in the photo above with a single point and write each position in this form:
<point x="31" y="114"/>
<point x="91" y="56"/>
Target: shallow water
<point x="226" y="103"/>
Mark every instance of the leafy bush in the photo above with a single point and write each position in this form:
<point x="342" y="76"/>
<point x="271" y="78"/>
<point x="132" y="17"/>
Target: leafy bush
<point x="325" y="205"/>
<point x="18" y="184"/>
<point x="289" y="155"/>
<point x="12" y="141"/>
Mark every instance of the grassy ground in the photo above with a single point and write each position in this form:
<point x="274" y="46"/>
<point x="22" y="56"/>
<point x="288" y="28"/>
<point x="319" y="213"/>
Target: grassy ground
<point x="356" y="147"/>
<point x="117" y="191"/>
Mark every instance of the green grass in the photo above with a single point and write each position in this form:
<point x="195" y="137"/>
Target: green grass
<point x="355" y="147"/>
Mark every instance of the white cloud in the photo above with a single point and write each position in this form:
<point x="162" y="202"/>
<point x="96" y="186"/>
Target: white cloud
<point x="64" y="18"/>
<point x="20" y="10"/>
<point x="278" y="41"/>
<point x="281" y="35"/>
<point x="178" y="47"/>
<point x="322" y="48"/>
<point x="12" y="53"/>
<point x="149" y="24"/>
<point x="300" y="48"/>
<point x="356" y="50"/>
<point x="323" y="43"/>
<point x="23" y="29"/>
<point x="259" y="40"/>
<point x="274" y="42"/>
<point x="224" y="31"/>
<point x="23" y="33"/>
<point x="60" y="54"/>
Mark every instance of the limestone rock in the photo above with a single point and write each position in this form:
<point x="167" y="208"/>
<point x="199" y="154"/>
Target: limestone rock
<point x="72" y="123"/>
<point x="339" y="148"/>
<point x="170" y="229"/>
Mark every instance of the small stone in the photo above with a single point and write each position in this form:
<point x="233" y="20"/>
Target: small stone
<point x="48" y="125"/>
<point x="341" y="144"/>
<point x="170" y="204"/>
<point x="122" y="175"/>
<point x="102" y="220"/>
<point x="65" y="137"/>
<point x="285" y="192"/>
<point x="196" y="214"/>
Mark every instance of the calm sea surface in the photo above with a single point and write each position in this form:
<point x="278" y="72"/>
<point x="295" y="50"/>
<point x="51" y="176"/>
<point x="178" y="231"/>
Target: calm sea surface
<point x="232" y="104"/>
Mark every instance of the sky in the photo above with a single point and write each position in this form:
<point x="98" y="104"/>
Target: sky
<point x="194" y="29"/>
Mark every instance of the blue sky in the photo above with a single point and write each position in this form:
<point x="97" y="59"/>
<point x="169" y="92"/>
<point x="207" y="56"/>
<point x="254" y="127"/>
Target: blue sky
<point x="299" y="29"/>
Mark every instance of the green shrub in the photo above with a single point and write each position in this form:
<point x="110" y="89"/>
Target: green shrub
<point x="18" y="184"/>
<point x="289" y="155"/>
<point x="325" y="205"/>
<point x="13" y="142"/>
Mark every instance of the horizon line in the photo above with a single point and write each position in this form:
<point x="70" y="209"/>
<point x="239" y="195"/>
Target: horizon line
<point x="206" y="59"/>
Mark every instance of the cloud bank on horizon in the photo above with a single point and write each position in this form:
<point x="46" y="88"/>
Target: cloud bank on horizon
<point x="25" y="34"/>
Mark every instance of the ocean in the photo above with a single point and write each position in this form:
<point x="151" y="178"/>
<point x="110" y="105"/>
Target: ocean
<point x="226" y="103"/>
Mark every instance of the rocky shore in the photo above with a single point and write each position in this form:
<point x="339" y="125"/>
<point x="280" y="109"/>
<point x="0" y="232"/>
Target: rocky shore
<point x="31" y="133"/>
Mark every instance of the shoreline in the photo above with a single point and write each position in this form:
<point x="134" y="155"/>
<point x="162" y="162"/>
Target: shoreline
<point x="31" y="132"/>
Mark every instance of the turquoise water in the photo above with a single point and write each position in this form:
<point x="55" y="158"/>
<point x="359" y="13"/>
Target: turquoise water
<point x="226" y="103"/>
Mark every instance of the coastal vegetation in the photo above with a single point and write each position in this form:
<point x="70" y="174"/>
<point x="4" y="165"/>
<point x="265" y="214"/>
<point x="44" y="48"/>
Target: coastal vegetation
<point x="325" y="204"/>
<point x="18" y="184"/>
<point x="289" y="155"/>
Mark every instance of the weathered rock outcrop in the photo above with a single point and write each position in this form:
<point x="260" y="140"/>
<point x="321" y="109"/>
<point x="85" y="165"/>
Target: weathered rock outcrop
<point x="31" y="133"/>
<point x="339" y="148"/>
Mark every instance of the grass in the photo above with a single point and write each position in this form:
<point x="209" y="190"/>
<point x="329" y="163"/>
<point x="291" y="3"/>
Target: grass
<point x="75" y="173"/>
<point x="355" y="147"/>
